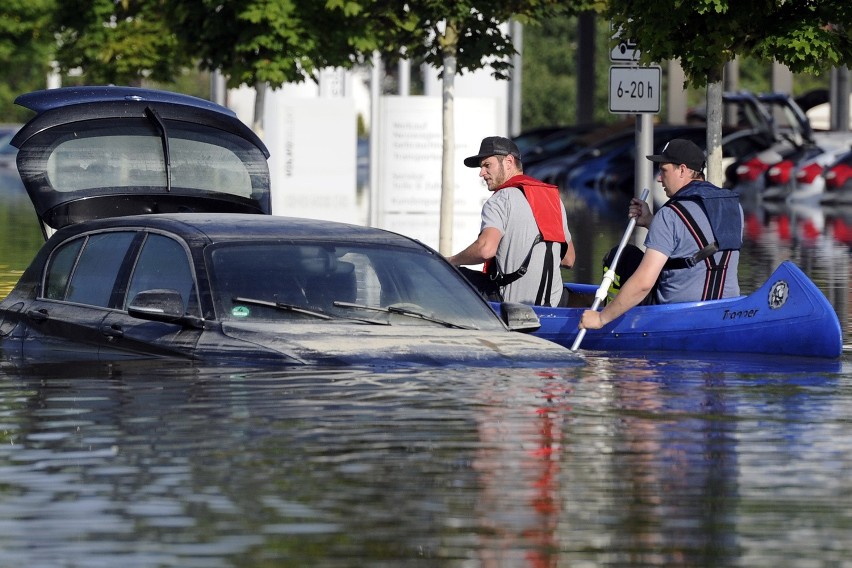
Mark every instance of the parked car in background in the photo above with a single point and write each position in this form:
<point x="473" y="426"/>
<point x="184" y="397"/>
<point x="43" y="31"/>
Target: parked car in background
<point x="838" y="181"/>
<point x="161" y="245"/>
<point x="565" y="140"/>
<point x="612" y="175"/>
<point x="791" y="167"/>
<point x="808" y="183"/>
<point x="529" y="138"/>
<point x="550" y="169"/>
<point x="601" y="167"/>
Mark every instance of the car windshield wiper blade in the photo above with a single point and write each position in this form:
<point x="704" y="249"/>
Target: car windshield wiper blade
<point x="301" y="310"/>
<point x="402" y="311"/>
<point x="155" y="117"/>
<point x="282" y="306"/>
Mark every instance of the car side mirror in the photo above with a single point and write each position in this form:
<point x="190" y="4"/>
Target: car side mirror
<point x="519" y="317"/>
<point x="161" y="305"/>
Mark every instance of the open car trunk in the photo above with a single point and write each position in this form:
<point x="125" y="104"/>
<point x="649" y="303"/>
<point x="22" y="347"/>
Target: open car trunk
<point x="95" y="152"/>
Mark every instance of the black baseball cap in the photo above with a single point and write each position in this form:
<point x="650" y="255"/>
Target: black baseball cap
<point x="493" y="146"/>
<point x="680" y="151"/>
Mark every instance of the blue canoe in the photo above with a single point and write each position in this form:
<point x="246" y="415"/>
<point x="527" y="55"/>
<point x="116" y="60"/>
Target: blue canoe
<point x="788" y="315"/>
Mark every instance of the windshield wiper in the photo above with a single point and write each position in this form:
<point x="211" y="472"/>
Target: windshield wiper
<point x="300" y="310"/>
<point x="282" y="306"/>
<point x="155" y="117"/>
<point x="399" y="310"/>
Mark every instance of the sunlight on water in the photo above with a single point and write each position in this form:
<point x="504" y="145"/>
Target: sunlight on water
<point x="9" y="278"/>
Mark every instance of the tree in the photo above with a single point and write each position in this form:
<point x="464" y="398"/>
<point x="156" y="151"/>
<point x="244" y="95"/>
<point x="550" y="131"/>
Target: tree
<point x="117" y="42"/>
<point x="452" y="36"/>
<point x="549" y="58"/>
<point x="263" y="42"/>
<point x="705" y="34"/>
<point x="26" y="49"/>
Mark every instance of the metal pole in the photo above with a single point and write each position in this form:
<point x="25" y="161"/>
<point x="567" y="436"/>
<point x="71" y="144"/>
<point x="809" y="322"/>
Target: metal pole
<point x="644" y="168"/>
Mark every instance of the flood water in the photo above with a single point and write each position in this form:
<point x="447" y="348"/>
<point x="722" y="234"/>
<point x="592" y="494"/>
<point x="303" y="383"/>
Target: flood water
<point x="614" y="461"/>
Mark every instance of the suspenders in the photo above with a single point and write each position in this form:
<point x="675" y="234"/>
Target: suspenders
<point x="714" y="281"/>
<point x="542" y="298"/>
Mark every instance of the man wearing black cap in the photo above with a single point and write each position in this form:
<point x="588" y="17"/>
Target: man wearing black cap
<point x="524" y="237"/>
<point x="693" y="245"/>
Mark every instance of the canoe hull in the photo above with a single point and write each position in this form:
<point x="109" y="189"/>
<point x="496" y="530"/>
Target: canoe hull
<point x="788" y="315"/>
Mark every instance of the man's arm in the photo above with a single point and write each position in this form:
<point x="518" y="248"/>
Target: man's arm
<point x="570" y="256"/>
<point x="482" y="249"/>
<point x="631" y="293"/>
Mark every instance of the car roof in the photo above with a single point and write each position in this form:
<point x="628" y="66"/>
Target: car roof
<point x="103" y="151"/>
<point x="233" y="227"/>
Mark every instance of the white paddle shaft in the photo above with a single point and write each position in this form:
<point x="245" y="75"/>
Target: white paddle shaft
<point x="609" y="275"/>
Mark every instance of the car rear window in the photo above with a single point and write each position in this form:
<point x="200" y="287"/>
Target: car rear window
<point x="101" y="154"/>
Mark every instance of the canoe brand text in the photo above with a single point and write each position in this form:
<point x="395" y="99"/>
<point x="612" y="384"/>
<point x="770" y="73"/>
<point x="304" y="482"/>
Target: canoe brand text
<point x="740" y="314"/>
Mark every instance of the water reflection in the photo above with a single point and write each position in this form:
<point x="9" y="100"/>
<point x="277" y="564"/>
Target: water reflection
<point x="623" y="462"/>
<point x="20" y="236"/>
<point x="189" y="467"/>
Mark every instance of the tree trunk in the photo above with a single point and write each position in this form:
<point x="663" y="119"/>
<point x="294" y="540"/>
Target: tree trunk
<point x="259" y="103"/>
<point x="586" y="57"/>
<point x="445" y="231"/>
<point x="715" y="174"/>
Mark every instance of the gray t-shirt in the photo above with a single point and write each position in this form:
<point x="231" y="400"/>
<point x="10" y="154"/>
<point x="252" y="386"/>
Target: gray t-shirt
<point x="669" y="235"/>
<point x="509" y="212"/>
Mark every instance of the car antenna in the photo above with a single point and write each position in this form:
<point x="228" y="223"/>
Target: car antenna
<point x="155" y="117"/>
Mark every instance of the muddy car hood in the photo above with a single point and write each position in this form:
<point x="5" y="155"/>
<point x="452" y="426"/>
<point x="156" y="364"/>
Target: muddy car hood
<point x="370" y="345"/>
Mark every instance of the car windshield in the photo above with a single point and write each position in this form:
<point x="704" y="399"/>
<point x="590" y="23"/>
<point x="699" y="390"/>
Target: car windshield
<point x="333" y="282"/>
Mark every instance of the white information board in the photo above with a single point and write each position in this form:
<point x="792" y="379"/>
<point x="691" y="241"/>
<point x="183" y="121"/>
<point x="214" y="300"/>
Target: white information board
<point x="312" y="142"/>
<point x="410" y="142"/>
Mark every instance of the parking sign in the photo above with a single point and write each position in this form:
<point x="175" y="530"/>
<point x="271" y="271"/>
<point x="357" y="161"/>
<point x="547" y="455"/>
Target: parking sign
<point x="634" y="90"/>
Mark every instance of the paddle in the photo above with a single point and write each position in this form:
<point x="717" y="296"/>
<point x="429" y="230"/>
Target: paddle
<point x="609" y="276"/>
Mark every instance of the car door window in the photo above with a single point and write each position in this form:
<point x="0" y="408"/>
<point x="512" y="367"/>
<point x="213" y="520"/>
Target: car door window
<point x="94" y="274"/>
<point x="59" y="271"/>
<point x="163" y="263"/>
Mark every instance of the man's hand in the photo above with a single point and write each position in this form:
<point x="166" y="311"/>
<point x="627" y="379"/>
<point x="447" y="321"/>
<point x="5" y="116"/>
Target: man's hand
<point x="591" y="319"/>
<point x="480" y="250"/>
<point x="641" y="211"/>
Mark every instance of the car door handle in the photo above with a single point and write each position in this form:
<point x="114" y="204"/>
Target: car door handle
<point x="37" y="315"/>
<point x="113" y="331"/>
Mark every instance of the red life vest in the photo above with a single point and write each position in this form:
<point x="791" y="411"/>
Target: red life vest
<point x="546" y="206"/>
<point x="545" y="203"/>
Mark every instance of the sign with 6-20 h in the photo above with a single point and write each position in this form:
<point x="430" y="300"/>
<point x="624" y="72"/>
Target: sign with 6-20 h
<point x="634" y="90"/>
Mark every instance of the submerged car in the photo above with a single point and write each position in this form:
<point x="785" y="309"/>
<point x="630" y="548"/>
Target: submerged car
<point x="161" y="244"/>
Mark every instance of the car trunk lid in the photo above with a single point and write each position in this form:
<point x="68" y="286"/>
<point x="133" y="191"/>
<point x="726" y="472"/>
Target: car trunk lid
<point x="95" y="152"/>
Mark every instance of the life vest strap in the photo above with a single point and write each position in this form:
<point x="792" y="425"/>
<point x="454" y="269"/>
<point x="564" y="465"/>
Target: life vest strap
<point x="543" y="295"/>
<point x="714" y="280"/>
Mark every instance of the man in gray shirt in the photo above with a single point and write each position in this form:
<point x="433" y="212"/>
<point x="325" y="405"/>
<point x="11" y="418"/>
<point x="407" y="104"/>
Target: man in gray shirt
<point x="693" y="244"/>
<point x="524" y="237"/>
